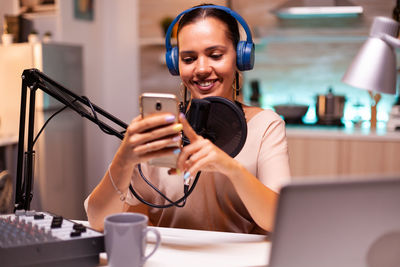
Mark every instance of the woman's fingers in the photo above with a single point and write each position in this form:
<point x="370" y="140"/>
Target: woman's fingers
<point x="193" y="152"/>
<point x="137" y="118"/>
<point x="140" y="125"/>
<point x="155" y="127"/>
<point x="196" y="167"/>
<point x="158" y="145"/>
<point x="150" y="137"/>
<point x="157" y="134"/>
<point x="159" y="153"/>
<point x="187" y="129"/>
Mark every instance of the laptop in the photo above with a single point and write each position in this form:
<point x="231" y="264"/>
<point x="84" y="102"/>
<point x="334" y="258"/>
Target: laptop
<point x="338" y="224"/>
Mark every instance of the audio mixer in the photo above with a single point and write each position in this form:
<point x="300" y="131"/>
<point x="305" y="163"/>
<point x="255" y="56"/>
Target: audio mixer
<point x="30" y="238"/>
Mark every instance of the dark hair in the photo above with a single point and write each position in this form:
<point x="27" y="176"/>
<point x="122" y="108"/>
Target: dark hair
<point x="199" y="13"/>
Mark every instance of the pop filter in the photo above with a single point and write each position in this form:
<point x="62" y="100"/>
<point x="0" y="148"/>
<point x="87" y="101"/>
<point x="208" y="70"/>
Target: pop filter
<point x="219" y="120"/>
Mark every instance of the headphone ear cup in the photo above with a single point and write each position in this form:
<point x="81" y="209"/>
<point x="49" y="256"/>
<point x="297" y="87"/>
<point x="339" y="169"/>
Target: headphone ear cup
<point x="245" y="55"/>
<point x="172" y="60"/>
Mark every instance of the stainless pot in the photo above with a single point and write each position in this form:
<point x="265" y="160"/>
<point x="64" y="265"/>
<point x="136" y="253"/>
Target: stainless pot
<point x="330" y="108"/>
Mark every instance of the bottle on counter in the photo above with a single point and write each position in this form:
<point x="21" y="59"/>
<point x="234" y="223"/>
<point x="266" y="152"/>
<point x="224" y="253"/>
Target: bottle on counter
<point x="255" y="93"/>
<point x="396" y="11"/>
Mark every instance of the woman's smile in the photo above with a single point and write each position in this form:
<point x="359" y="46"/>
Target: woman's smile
<point x="206" y="85"/>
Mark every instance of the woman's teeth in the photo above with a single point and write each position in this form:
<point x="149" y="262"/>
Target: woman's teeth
<point x="205" y="84"/>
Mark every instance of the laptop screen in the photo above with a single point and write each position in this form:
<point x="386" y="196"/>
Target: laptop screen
<point x="335" y="224"/>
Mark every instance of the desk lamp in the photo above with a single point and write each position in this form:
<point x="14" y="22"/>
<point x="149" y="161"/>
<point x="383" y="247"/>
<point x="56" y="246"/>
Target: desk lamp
<point x="374" y="67"/>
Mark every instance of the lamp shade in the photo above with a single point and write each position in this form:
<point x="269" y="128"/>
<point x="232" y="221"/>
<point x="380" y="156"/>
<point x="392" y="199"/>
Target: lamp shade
<point x="374" y="67"/>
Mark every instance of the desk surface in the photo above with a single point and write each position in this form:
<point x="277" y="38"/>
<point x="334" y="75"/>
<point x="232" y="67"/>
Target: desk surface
<point x="182" y="247"/>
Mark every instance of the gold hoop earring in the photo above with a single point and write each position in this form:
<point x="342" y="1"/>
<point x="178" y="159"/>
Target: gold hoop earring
<point x="185" y="94"/>
<point x="234" y="96"/>
<point x="236" y="87"/>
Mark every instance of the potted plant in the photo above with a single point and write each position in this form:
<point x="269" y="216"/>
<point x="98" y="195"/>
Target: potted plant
<point x="33" y="37"/>
<point x="47" y="37"/>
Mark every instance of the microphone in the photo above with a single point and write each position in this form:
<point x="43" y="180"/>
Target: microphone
<point x="198" y="116"/>
<point x="219" y="120"/>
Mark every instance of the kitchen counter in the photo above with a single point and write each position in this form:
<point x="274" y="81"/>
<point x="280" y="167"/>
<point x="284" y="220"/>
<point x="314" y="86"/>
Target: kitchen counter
<point x="340" y="133"/>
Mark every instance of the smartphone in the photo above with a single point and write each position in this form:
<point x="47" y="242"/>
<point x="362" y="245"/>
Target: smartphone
<point x="151" y="103"/>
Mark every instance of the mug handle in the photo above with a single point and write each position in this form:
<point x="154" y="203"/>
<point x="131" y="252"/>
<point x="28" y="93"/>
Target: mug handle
<point x="158" y="240"/>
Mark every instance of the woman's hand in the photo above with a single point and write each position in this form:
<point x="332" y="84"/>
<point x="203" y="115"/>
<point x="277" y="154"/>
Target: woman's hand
<point x="201" y="154"/>
<point x="147" y="138"/>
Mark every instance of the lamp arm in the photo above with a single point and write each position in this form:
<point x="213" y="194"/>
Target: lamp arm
<point x="393" y="42"/>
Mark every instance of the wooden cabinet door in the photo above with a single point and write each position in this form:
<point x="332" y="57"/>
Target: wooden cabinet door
<point x="369" y="157"/>
<point x="313" y="157"/>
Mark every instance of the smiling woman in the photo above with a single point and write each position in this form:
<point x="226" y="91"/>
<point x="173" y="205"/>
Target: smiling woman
<point x="233" y="194"/>
<point x="208" y="65"/>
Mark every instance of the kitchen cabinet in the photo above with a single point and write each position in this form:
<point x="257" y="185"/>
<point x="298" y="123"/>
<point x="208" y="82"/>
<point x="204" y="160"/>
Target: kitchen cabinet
<point x="369" y="157"/>
<point x="339" y="154"/>
<point x="310" y="157"/>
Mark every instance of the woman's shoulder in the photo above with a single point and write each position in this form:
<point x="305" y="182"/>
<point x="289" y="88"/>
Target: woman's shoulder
<point x="257" y="113"/>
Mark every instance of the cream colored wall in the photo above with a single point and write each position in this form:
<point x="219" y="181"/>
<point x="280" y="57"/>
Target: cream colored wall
<point x="111" y="71"/>
<point x="10" y="75"/>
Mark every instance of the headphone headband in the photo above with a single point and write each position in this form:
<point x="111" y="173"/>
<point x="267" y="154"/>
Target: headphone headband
<point x="224" y="8"/>
<point x="244" y="50"/>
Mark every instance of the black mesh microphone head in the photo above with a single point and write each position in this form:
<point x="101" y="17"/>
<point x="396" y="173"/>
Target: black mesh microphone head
<point x="198" y="115"/>
<point x="221" y="121"/>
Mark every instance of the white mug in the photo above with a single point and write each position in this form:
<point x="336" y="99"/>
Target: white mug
<point x="125" y="239"/>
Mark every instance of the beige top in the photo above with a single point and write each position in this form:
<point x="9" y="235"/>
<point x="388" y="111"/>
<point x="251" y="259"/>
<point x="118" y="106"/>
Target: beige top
<point x="214" y="203"/>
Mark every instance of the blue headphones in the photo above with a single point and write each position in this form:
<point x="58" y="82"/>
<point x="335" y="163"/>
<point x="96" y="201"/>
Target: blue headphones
<point x="244" y="49"/>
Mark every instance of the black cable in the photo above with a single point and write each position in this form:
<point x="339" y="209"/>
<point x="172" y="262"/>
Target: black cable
<point x="95" y="116"/>
<point x="47" y="121"/>
<point x="172" y="203"/>
<point x="42" y="129"/>
<point x="63" y="108"/>
<point x="187" y="192"/>
<point x="157" y="190"/>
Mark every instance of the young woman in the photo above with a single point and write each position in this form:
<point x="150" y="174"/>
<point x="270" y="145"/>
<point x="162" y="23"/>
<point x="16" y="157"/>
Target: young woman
<point x="233" y="194"/>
